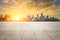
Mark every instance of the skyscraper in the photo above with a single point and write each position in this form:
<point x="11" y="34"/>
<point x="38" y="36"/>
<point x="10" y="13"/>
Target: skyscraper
<point x="42" y="17"/>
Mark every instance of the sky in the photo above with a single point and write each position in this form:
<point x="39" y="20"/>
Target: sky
<point x="30" y="7"/>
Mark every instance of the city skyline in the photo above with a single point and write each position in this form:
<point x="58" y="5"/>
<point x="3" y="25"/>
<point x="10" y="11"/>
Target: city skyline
<point x="42" y="17"/>
<point x="29" y="18"/>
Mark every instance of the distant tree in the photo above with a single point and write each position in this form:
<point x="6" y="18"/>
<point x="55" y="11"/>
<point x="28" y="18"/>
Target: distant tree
<point x="1" y="17"/>
<point x="6" y="17"/>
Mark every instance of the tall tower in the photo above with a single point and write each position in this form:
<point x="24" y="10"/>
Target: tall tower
<point x="42" y="17"/>
<point x="32" y="16"/>
<point x="47" y="17"/>
<point x="37" y="16"/>
<point x="41" y="14"/>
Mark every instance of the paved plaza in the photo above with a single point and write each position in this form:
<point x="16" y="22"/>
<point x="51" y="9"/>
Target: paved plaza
<point x="30" y="31"/>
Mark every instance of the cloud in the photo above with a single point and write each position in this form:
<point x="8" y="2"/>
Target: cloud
<point x="48" y="7"/>
<point x="5" y="1"/>
<point x="14" y="2"/>
<point x="22" y="7"/>
<point x="46" y="3"/>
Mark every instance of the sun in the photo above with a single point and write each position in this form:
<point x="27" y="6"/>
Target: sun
<point x="15" y="18"/>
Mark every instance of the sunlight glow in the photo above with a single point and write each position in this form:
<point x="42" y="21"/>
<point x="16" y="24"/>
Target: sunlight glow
<point x="15" y="18"/>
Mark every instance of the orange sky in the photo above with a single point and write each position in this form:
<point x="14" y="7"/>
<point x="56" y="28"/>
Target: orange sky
<point x="28" y="7"/>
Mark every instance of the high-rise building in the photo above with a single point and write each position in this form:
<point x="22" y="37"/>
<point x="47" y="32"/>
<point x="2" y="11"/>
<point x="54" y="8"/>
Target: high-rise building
<point x="42" y="17"/>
